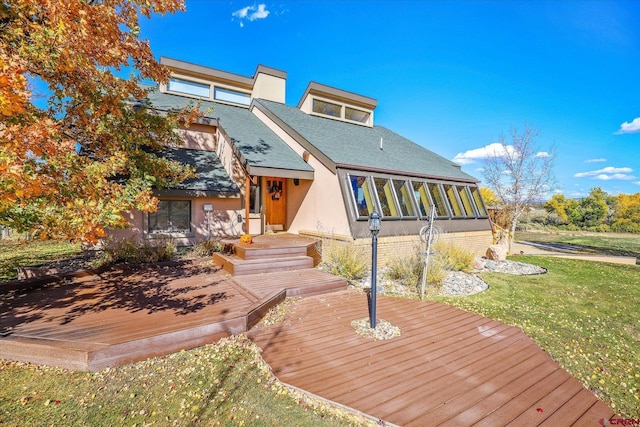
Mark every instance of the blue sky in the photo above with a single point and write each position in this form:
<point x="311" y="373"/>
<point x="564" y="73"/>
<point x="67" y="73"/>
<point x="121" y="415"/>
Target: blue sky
<point x="452" y="76"/>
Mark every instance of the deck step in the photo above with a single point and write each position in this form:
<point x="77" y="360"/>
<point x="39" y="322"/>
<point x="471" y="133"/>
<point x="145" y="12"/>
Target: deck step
<point x="269" y="253"/>
<point x="237" y="266"/>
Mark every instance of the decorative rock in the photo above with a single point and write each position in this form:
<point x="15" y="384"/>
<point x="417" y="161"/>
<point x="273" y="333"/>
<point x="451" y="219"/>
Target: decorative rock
<point x="497" y="253"/>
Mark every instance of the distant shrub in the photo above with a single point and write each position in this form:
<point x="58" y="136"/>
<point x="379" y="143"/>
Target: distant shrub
<point x="437" y="271"/>
<point x="454" y="257"/>
<point x="205" y="248"/>
<point x="406" y="270"/>
<point x="346" y="260"/>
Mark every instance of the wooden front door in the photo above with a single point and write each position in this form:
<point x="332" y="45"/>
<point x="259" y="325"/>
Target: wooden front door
<point x="275" y="203"/>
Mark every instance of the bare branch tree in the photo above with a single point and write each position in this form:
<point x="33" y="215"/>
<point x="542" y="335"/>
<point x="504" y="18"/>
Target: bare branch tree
<point x="520" y="174"/>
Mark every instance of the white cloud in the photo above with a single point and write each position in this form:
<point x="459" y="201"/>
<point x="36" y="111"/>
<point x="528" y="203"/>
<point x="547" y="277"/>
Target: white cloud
<point x="615" y="176"/>
<point x="608" y="170"/>
<point x="251" y="13"/>
<point x="492" y="150"/>
<point x="636" y="182"/>
<point x="600" y="160"/>
<point x="542" y="154"/>
<point x="608" y="174"/>
<point x="242" y="13"/>
<point x="627" y="127"/>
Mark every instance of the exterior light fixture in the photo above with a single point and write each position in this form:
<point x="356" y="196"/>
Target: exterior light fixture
<point x="374" y="227"/>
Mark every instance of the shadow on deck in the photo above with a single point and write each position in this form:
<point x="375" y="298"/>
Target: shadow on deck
<point x="127" y="314"/>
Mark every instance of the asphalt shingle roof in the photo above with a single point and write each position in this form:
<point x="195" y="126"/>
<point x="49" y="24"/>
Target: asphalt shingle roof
<point x="211" y="174"/>
<point x="359" y="146"/>
<point x="258" y="144"/>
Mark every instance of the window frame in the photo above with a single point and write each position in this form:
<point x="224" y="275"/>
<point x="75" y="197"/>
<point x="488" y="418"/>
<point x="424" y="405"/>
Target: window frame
<point x="412" y="202"/>
<point x="342" y="109"/>
<point x="227" y="90"/>
<point x="190" y="82"/>
<point x="458" y="204"/>
<point x="443" y="197"/>
<point x="464" y="190"/>
<point x="326" y="102"/>
<point x="450" y="207"/>
<point x="354" y="199"/>
<point x="389" y="193"/>
<point x="165" y="232"/>
<point x="482" y="210"/>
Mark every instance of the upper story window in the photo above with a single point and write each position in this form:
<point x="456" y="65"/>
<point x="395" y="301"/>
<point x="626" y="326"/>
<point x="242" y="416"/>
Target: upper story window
<point x="327" y="108"/>
<point x="341" y="111"/>
<point x="233" y="96"/>
<point x="356" y="115"/>
<point x="202" y="90"/>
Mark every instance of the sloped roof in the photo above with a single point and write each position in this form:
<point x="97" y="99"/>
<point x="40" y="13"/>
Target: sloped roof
<point x="212" y="177"/>
<point x="257" y="145"/>
<point x="356" y="146"/>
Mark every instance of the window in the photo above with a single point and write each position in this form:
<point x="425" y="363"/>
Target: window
<point x="477" y="198"/>
<point x="327" y="108"/>
<point x="438" y="199"/>
<point x="361" y="191"/>
<point x="356" y="115"/>
<point x="403" y="193"/>
<point x="227" y="95"/>
<point x="190" y="88"/>
<point x="467" y="204"/>
<point x="172" y="216"/>
<point x="254" y="199"/>
<point x="424" y="204"/>
<point x="456" y="208"/>
<point x="385" y="197"/>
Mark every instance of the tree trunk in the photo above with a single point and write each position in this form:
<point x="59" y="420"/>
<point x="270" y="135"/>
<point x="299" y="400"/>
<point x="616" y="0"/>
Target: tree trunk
<point x="512" y="233"/>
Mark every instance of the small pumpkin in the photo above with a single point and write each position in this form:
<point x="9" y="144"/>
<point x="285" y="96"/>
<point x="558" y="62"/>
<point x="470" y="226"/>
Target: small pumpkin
<point x="246" y="238"/>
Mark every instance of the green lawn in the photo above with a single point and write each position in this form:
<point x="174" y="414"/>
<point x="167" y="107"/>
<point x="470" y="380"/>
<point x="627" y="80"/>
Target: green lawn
<point x="223" y="384"/>
<point x="608" y="243"/>
<point x="16" y="253"/>
<point x="584" y="314"/>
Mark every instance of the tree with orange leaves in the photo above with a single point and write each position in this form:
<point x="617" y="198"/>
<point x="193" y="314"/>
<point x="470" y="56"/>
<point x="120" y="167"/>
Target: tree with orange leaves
<point x="72" y="165"/>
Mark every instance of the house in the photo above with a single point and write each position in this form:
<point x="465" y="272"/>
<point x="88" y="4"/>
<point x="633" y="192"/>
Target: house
<point x="319" y="168"/>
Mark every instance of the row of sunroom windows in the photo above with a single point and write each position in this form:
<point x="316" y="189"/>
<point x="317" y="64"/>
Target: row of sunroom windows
<point x="396" y="198"/>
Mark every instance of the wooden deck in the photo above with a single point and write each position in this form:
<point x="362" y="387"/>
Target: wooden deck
<point x="124" y="315"/>
<point x="448" y="367"/>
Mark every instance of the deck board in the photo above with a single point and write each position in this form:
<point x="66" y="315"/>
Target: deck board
<point x="447" y="368"/>
<point x="126" y="314"/>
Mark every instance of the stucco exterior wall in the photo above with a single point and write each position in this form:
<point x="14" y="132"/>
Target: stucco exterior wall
<point x="218" y="223"/>
<point x="198" y="137"/>
<point x="319" y="202"/>
<point x="269" y="87"/>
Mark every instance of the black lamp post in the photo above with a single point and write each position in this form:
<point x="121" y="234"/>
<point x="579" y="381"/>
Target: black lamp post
<point x="374" y="227"/>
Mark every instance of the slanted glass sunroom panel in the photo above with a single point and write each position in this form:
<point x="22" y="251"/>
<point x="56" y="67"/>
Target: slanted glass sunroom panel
<point x="452" y="197"/>
<point x="477" y="198"/>
<point x="422" y="199"/>
<point x="361" y="193"/>
<point x="439" y="199"/>
<point x="403" y="194"/>
<point x="467" y="204"/>
<point x="384" y="191"/>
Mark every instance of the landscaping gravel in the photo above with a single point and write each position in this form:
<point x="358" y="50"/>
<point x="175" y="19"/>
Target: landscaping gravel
<point x="459" y="284"/>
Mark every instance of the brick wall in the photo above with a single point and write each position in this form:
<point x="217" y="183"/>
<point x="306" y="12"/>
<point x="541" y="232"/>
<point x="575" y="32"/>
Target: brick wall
<point x="401" y="246"/>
